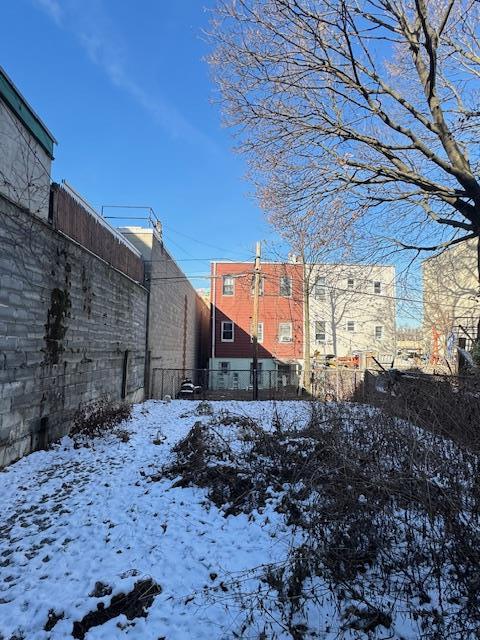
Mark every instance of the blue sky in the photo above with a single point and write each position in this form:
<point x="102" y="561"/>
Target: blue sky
<point x="125" y="90"/>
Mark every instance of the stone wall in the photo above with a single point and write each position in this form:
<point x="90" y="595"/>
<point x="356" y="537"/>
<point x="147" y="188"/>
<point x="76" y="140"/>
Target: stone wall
<point x="67" y="319"/>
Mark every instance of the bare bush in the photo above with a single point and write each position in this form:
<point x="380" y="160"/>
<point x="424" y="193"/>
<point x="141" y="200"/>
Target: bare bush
<point x="447" y="405"/>
<point x="385" y="521"/>
<point x="101" y="418"/>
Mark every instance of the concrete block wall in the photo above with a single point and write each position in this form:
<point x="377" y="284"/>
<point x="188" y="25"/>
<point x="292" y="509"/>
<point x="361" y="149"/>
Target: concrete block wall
<point x="24" y="165"/>
<point x="179" y="319"/>
<point x="66" y="320"/>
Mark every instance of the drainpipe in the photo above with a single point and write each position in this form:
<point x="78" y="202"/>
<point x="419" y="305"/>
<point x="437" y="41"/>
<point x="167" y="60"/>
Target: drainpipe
<point x="214" y="300"/>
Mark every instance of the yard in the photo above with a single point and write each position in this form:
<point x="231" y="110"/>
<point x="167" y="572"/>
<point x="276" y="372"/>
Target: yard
<point x="242" y="520"/>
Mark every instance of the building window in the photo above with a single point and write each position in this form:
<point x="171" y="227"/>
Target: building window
<point x="319" y="291"/>
<point x="377" y="287"/>
<point x="285" y="332"/>
<point x="320" y="330"/>
<point x="225" y="367"/>
<point x="285" y="286"/>
<point x="350" y="326"/>
<point x="259" y="332"/>
<point x="350" y="283"/>
<point x="260" y="285"/>
<point x="227" y="331"/>
<point x="378" y="332"/>
<point x="228" y="286"/>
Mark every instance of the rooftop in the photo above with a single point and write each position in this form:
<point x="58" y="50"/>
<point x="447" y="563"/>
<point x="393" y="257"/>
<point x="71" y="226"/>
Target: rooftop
<point x="15" y="101"/>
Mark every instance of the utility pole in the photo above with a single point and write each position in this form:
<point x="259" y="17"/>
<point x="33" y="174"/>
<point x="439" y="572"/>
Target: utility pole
<point x="256" y="293"/>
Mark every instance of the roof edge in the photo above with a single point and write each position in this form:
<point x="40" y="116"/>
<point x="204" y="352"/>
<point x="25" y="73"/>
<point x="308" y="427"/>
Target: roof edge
<point x="20" y="107"/>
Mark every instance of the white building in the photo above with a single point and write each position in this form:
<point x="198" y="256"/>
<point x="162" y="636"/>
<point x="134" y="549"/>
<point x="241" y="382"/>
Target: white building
<point x="352" y="311"/>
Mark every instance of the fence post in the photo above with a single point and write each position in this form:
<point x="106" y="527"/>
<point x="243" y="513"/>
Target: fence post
<point x="152" y="384"/>
<point x="336" y="384"/>
<point x="204" y="384"/>
<point x="163" y="373"/>
<point x="270" y="384"/>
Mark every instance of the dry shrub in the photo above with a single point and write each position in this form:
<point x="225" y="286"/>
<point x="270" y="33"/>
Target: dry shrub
<point x="101" y="418"/>
<point x="447" y="405"/>
<point x="389" y="516"/>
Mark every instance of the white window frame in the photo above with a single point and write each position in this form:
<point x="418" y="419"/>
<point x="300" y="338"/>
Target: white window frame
<point x="375" y="284"/>
<point x="347" y="327"/>
<point x="378" y="337"/>
<point x="283" y="279"/>
<point x="322" y="332"/>
<point x="259" y="332"/>
<point x="224" y="278"/>
<point x="261" y="286"/>
<point x="285" y="339"/>
<point x="319" y="289"/>
<point x="232" y="339"/>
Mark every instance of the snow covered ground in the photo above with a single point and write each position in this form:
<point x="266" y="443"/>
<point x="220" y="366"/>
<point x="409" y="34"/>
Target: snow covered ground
<point x="75" y="517"/>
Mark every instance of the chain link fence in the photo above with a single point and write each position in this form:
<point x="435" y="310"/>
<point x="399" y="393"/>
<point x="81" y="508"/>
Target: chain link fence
<point x="237" y="384"/>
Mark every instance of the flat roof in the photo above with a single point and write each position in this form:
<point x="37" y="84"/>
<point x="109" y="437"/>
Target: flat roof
<point x="24" y="112"/>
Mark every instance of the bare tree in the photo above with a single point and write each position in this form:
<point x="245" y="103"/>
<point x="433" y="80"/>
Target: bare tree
<point x="313" y="241"/>
<point x="371" y="103"/>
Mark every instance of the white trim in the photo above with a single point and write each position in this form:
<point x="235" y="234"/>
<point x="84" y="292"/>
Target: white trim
<point x="224" y="322"/>
<point x="285" y="339"/>
<point x="228" y="275"/>
<point x="259" y="324"/>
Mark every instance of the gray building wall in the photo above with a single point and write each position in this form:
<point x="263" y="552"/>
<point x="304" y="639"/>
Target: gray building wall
<point x="24" y="165"/>
<point x="178" y="327"/>
<point x="66" y="320"/>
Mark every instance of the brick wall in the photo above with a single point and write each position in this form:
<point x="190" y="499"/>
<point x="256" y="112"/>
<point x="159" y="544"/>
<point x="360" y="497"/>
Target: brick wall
<point x="66" y="320"/>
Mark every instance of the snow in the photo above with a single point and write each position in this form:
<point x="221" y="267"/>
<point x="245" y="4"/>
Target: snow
<point x="72" y="517"/>
<point x="75" y="517"/>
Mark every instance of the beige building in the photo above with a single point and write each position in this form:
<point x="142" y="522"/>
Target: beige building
<point x="352" y="311"/>
<point x="451" y="299"/>
<point x="178" y="318"/>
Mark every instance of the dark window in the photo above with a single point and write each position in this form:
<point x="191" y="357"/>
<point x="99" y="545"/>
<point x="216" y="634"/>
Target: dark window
<point x="319" y="291"/>
<point x="286" y="286"/>
<point x="227" y="331"/>
<point x="320" y="331"/>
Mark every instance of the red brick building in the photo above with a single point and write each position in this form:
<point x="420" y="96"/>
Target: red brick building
<point x="280" y="319"/>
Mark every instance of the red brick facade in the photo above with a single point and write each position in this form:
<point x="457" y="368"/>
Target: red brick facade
<point x="232" y="301"/>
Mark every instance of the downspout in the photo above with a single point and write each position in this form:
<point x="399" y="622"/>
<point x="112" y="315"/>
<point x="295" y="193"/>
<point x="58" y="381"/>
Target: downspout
<point x="213" y="287"/>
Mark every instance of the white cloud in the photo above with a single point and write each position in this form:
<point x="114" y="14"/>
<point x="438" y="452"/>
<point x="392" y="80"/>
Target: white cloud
<point x="96" y="34"/>
<point x="53" y="8"/>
